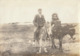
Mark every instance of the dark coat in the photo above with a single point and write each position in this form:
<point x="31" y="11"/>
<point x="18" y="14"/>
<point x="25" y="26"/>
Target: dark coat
<point x="57" y="26"/>
<point x="39" y="21"/>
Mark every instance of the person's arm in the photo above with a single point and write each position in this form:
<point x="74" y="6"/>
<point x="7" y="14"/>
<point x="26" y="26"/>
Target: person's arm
<point x="44" y="21"/>
<point x="52" y="22"/>
<point x="35" y="21"/>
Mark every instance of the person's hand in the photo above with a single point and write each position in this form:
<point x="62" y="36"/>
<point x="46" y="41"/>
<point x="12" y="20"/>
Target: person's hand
<point x="52" y="26"/>
<point x="36" y="24"/>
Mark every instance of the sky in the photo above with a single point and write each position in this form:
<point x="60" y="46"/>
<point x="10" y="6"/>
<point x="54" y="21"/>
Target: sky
<point x="25" y="10"/>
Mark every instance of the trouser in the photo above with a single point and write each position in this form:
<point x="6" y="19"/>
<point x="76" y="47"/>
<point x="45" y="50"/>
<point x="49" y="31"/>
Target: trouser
<point x="37" y="34"/>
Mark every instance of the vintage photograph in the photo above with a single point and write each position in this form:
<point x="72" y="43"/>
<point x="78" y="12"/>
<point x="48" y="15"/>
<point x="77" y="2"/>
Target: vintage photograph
<point x="39" y="28"/>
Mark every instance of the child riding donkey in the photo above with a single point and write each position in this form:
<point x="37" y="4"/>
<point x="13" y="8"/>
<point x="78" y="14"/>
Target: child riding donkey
<point x="58" y="31"/>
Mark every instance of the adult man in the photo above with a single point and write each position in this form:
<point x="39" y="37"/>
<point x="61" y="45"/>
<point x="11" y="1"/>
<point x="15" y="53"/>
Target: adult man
<point x="39" y="22"/>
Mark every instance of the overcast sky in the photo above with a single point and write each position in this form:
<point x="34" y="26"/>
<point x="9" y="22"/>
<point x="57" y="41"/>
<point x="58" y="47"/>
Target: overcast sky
<point x="25" y="10"/>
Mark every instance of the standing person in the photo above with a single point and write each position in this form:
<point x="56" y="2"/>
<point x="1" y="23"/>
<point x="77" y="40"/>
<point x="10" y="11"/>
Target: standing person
<point x="38" y="22"/>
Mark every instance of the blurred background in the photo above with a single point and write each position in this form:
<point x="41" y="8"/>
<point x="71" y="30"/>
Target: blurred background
<point x="25" y="10"/>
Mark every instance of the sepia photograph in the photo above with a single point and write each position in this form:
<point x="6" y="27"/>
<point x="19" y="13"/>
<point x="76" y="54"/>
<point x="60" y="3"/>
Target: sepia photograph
<point x="39" y="28"/>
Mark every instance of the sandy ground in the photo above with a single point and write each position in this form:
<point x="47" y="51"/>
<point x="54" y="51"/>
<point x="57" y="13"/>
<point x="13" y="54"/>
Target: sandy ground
<point x="21" y="44"/>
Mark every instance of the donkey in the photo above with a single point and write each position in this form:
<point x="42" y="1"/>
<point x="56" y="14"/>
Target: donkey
<point x="60" y="32"/>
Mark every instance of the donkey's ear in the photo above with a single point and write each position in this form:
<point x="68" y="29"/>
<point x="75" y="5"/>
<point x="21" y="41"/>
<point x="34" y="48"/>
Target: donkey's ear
<point x="75" y="25"/>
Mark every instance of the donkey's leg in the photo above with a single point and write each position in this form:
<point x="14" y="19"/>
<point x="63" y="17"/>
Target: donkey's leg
<point x="60" y="44"/>
<point x="53" y="44"/>
<point x="45" y="48"/>
<point x="72" y="37"/>
<point x="40" y="45"/>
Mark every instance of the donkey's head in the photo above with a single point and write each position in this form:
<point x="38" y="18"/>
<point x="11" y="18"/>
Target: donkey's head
<point x="71" y="30"/>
